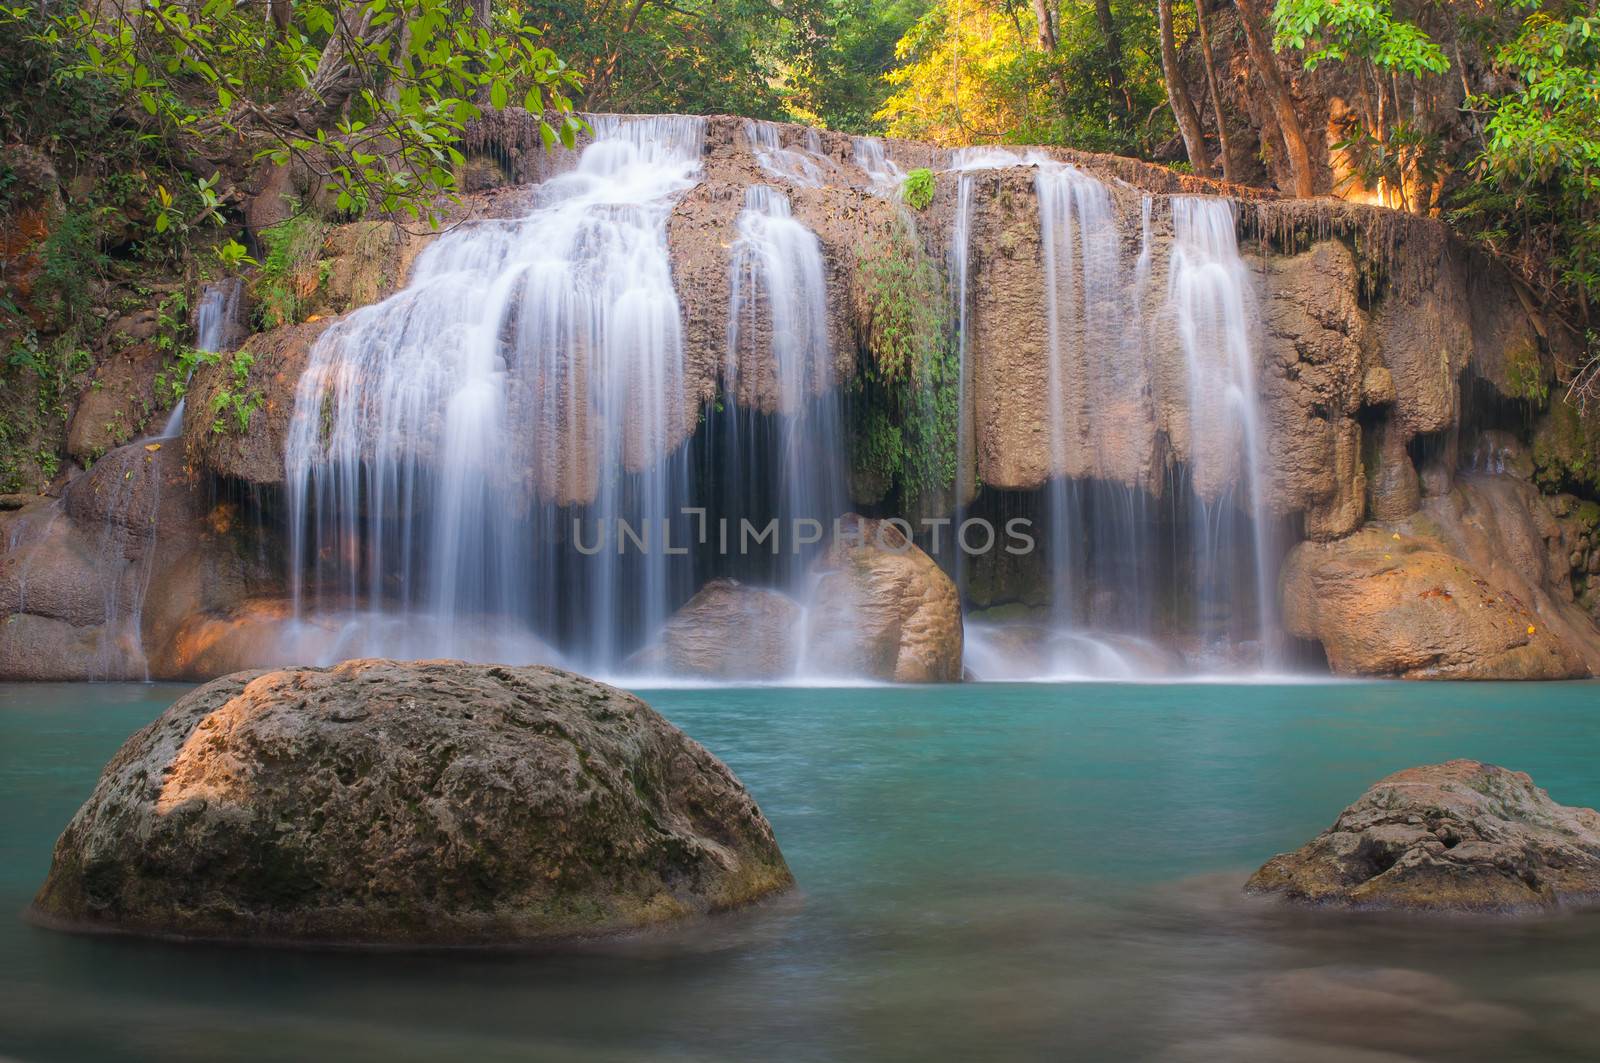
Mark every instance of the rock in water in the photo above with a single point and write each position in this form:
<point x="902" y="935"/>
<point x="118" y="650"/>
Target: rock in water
<point x="432" y="802"/>
<point x="731" y="631"/>
<point x="882" y="609"/>
<point x="1383" y="604"/>
<point x="1458" y="836"/>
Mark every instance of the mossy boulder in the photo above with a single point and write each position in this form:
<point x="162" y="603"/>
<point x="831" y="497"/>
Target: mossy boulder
<point x="1458" y="836"/>
<point x="1565" y="444"/>
<point x="427" y="803"/>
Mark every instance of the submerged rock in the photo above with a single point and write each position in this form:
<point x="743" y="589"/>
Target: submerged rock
<point x="434" y="803"/>
<point x="883" y="609"/>
<point x="1458" y="836"/>
<point x="730" y="631"/>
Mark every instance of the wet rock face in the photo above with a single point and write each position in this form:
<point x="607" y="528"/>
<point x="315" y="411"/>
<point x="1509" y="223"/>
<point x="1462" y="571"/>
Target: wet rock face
<point x="883" y="609"/>
<point x="1386" y="604"/>
<point x="1459" y="836"/>
<point x="96" y="585"/>
<point x="430" y="803"/>
<point x="730" y="631"/>
<point x="255" y="456"/>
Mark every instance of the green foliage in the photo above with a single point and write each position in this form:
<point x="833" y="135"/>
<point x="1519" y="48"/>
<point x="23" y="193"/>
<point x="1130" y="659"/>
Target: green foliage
<point x="172" y="381"/>
<point x="688" y="56"/>
<point x="1355" y="29"/>
<point x="1525" y="375"/>
<point x="288" y="269"/>
<point x="973" y="71"/>
<point x="1383" y="151"/>
<point x="44" y="374"/>
<point x="910" y="377"/>
<point x="918" y="188"/>
<point x="1564" y="453"/>
<point x="235" y="402"/>
<point x="834" y="68"/>
<point x="70" y="259"/>
<point x="904" y="310"/>
<point x="371" y="95"/>
<point x="1543" y="139"/>
<point x="1407" y="153"/>
<point x="53" y="366"/>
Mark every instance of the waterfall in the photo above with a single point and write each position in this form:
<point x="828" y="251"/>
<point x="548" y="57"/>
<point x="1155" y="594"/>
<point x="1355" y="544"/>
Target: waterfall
<point x="966" y="163"/>
<point x="1114" y="539"/>
<point x="805" y="167"/>
<point x="127" y="486"/>
<point x="214" y="321"/>
<point x="523" y="396"/>
<point x="1212" y="301"/>
<point x="779" y="295"/>
<point x="883" y="173"/>
<point x="1089" y="356"/>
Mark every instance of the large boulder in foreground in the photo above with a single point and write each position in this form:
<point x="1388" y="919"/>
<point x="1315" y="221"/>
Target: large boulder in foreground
<point x="730" y="630"/>
<point x="882" y="609"/>
<point x="1386" y="604"/>
<point x="434" y="803"/>
<point x="1459" y="836"/>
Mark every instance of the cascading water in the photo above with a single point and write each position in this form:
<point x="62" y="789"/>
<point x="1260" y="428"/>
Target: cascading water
<point x="462" y="455"/>
<point x="214" y="320"/>
<point x="1084" y="296"/>
<point x="443" y="441"/>
<point x="779" y="296"/>
<point x="883" y="173"/>
<point x="966" y="163"/>
<point x="1210" y="295"/>
<point x="1115" y="540"/>
<point x="805" y="166"/>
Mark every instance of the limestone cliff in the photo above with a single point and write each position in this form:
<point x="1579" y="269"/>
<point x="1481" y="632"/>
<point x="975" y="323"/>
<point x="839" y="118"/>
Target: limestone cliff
<point x="1387" y="351"/>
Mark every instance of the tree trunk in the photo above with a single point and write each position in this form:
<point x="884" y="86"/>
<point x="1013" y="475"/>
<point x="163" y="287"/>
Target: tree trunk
<point x="1047" y="28"/>
<point x="1266" y="64"/>
<point x="1115" y="73"/>
<point x="1194" y="141"/>
<point x="1048" y="43"/>
<point x="1223" y="147"/>
<point x="281" y="14"/>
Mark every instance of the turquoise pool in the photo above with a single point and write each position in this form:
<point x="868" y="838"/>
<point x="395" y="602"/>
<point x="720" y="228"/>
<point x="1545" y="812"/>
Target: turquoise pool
<point x="986" y="871"/>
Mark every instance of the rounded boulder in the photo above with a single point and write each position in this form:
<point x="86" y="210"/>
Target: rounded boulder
<point x="419" y="803"/>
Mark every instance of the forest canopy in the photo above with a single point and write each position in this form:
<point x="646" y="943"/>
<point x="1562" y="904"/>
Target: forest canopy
<point x="1483" y="112"/>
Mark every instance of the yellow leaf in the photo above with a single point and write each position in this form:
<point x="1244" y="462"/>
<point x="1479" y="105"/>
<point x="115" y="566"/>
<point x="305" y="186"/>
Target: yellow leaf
<point x="152" y="447"/>
<point x="1530" y="629"/>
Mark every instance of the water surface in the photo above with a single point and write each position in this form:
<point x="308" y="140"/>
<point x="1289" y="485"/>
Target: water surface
<point x="987" y="872"/>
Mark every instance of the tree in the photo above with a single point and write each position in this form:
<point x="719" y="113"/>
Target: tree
<point x="1116" y="71"/>
<point x="1183" y="110"/>
<point x="975" y="70"/>
<point x="369" y="95"/>
<point x="1224" y="148"/>
<point x="1265" y="64"/>
<point x="1540" y="164"/>
<point x="968" y="74"/>
<point x="1386" y="150"/>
